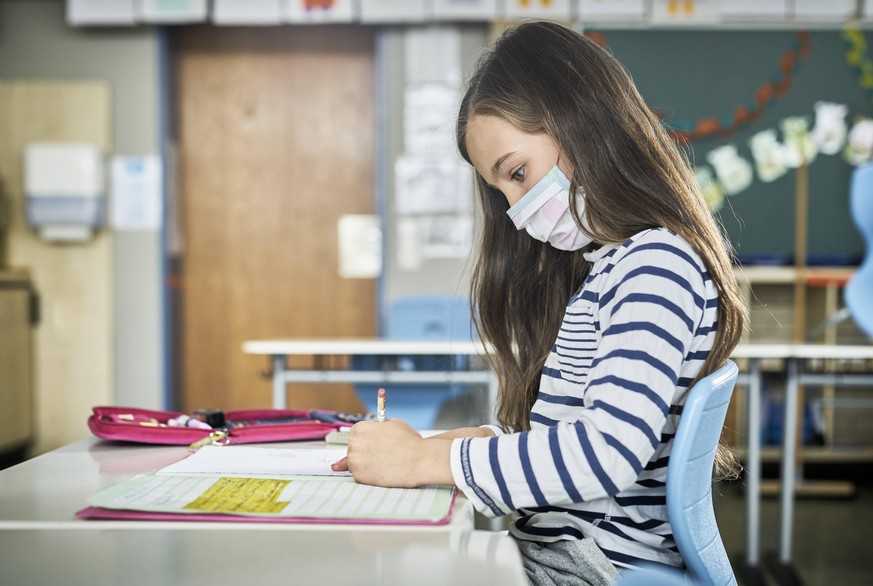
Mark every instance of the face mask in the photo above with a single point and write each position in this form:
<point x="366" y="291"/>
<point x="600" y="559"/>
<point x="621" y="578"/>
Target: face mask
<point x="544" y="212"/>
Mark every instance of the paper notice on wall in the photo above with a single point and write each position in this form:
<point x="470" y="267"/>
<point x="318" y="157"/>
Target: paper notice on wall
<point x="173" y="11"/>
<point x="246" y="12"/>
<point x="432" y="186"/>
<point x="101" y="12"/>
<point x="317" y="11"/>
<point x="360" y="246"/>
<point x="483" y="10"/>
<point x="408" y="244"/>
<point x="740" y="9"/>
<point x="136" y="193"/>
<point x="432" y="54"/>
<point x="684" y="11"/>
<point x="446" y="236"/>
<point x="429" y="115"/>
<point x="554" y="9"/>
<point x="597" y="10"/>
<point x="391" y="11"/>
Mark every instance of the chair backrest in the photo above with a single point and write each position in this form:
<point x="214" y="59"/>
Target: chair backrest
<point x="859" y="290"/>
<point x="436" y="317"/>
<point x="689" y="478"/>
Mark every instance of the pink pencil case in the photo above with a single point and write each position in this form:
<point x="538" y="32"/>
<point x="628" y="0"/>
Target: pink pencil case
<point x="148" y="426"/>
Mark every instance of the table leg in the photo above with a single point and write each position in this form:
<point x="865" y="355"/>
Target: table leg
<point x="789" y="472"/>
<point x="780" y="566"/>
<point x="279" y="381"/>
<point x="749" y="568"/>
<point x="753" y="465"/>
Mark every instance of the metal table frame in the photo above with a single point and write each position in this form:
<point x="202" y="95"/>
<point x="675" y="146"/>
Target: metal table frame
<point x="280" y="350"/>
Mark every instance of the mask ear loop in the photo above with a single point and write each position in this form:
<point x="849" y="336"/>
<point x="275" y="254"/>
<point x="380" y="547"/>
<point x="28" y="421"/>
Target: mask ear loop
<point x="572" y="214"/>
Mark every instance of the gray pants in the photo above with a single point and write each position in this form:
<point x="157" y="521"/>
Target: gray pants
<point x="569" y="562"/>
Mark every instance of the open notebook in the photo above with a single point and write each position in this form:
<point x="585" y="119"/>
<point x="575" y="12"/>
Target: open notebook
<point x="235" y="483"/>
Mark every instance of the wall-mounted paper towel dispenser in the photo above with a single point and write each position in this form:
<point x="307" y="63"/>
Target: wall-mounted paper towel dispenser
<point x="64" y="184"/>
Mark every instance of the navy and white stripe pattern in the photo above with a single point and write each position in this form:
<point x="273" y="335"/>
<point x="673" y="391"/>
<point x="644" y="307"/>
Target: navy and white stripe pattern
<point x="595" y="460"/>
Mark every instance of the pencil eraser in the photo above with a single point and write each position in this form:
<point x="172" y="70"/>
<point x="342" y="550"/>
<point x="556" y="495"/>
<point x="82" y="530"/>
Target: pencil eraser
<point x="381" y="393"/>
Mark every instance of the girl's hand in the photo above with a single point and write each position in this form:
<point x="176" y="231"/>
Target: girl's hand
<point x="393" y="454"/>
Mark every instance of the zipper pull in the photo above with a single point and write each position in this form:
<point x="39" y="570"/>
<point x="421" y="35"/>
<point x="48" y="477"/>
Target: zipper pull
<point x="215" y="438"/>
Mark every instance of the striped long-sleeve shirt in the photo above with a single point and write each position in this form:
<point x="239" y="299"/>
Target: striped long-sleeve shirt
<point x="595" y="461"/>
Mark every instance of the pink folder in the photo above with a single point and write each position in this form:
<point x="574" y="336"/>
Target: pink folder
<point x="126" y="514"/>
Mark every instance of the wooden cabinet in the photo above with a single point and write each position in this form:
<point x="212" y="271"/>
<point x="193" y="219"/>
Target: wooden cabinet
<point x="17" y="315"/>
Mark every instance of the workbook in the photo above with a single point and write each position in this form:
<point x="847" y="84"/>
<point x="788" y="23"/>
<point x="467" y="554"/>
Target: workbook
<point x="257" y="484"/>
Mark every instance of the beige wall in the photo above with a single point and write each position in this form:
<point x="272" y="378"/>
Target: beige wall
<point x="72" y="344"/>
<point x="123" y="286"/>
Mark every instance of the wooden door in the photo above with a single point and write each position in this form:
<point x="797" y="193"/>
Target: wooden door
<point x="276" y="141"/>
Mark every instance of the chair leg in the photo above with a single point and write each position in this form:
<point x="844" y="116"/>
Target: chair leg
<point x="832" y="320"/>
<point x="784" y="574"/>
<point x="748" y="575"/>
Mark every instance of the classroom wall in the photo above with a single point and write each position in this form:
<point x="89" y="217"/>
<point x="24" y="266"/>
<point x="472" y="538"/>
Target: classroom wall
<point x="689" y="75"/>
<point x="434" y="276"/>
<point x="692" y="75"/>
<point x="37" y="44"/>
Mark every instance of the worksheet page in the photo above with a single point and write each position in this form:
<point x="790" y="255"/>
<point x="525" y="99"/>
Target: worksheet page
<point x="303" y="497"/>
<point x="249" y="461"/>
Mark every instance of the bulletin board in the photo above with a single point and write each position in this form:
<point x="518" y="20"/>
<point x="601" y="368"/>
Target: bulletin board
<point x="705" y="79"/>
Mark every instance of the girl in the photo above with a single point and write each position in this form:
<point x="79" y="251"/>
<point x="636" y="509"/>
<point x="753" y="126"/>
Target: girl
<point x="605" y="288"/>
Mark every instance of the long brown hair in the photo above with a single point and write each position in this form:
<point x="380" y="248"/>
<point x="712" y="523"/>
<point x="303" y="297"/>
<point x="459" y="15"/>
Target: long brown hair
<point x="546" y="78"/>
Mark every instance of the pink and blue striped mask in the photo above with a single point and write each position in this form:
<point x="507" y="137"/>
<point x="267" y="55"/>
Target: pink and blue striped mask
<point x="544" y="212"/>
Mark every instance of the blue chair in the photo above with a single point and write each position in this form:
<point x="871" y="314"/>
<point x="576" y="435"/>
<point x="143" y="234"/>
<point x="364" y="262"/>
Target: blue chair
<point x="689" y="478"/>
<point x="858" y="294"/>
<point x="435" y="318"/>
<point x="689" y="488"/>
<point x="859" y="289"/>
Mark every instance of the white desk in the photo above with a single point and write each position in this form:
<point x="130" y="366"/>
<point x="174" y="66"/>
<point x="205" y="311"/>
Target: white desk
<point x="279" y="350"/>
<point x="202" y="557"/>
<point x="46" y="491"/>
<point x="795" y="357"/>
<point x="42" y="542"/>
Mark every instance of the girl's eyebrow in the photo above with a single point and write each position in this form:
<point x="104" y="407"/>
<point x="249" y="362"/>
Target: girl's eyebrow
<point x="496" y="168"/>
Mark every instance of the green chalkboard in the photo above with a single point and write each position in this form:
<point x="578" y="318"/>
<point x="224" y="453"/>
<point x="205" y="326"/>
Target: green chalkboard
<point x="691" y="75"/>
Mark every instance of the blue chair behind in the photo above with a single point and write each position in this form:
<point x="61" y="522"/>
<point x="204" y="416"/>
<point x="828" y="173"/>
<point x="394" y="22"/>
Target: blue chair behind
<point x="858" y="294"/>
<point x="433" y="318"/>
<point x="689" y="488"/>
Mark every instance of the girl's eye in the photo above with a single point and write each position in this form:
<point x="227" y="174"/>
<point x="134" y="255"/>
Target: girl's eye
<point x="518" y="175"/>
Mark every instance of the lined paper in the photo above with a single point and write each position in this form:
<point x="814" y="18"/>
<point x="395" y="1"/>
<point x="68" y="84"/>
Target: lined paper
<point x="304" y="497"/>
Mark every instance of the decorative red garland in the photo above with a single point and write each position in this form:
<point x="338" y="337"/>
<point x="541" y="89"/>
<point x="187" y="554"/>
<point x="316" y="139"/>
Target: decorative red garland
<point x="686" y="131"/>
